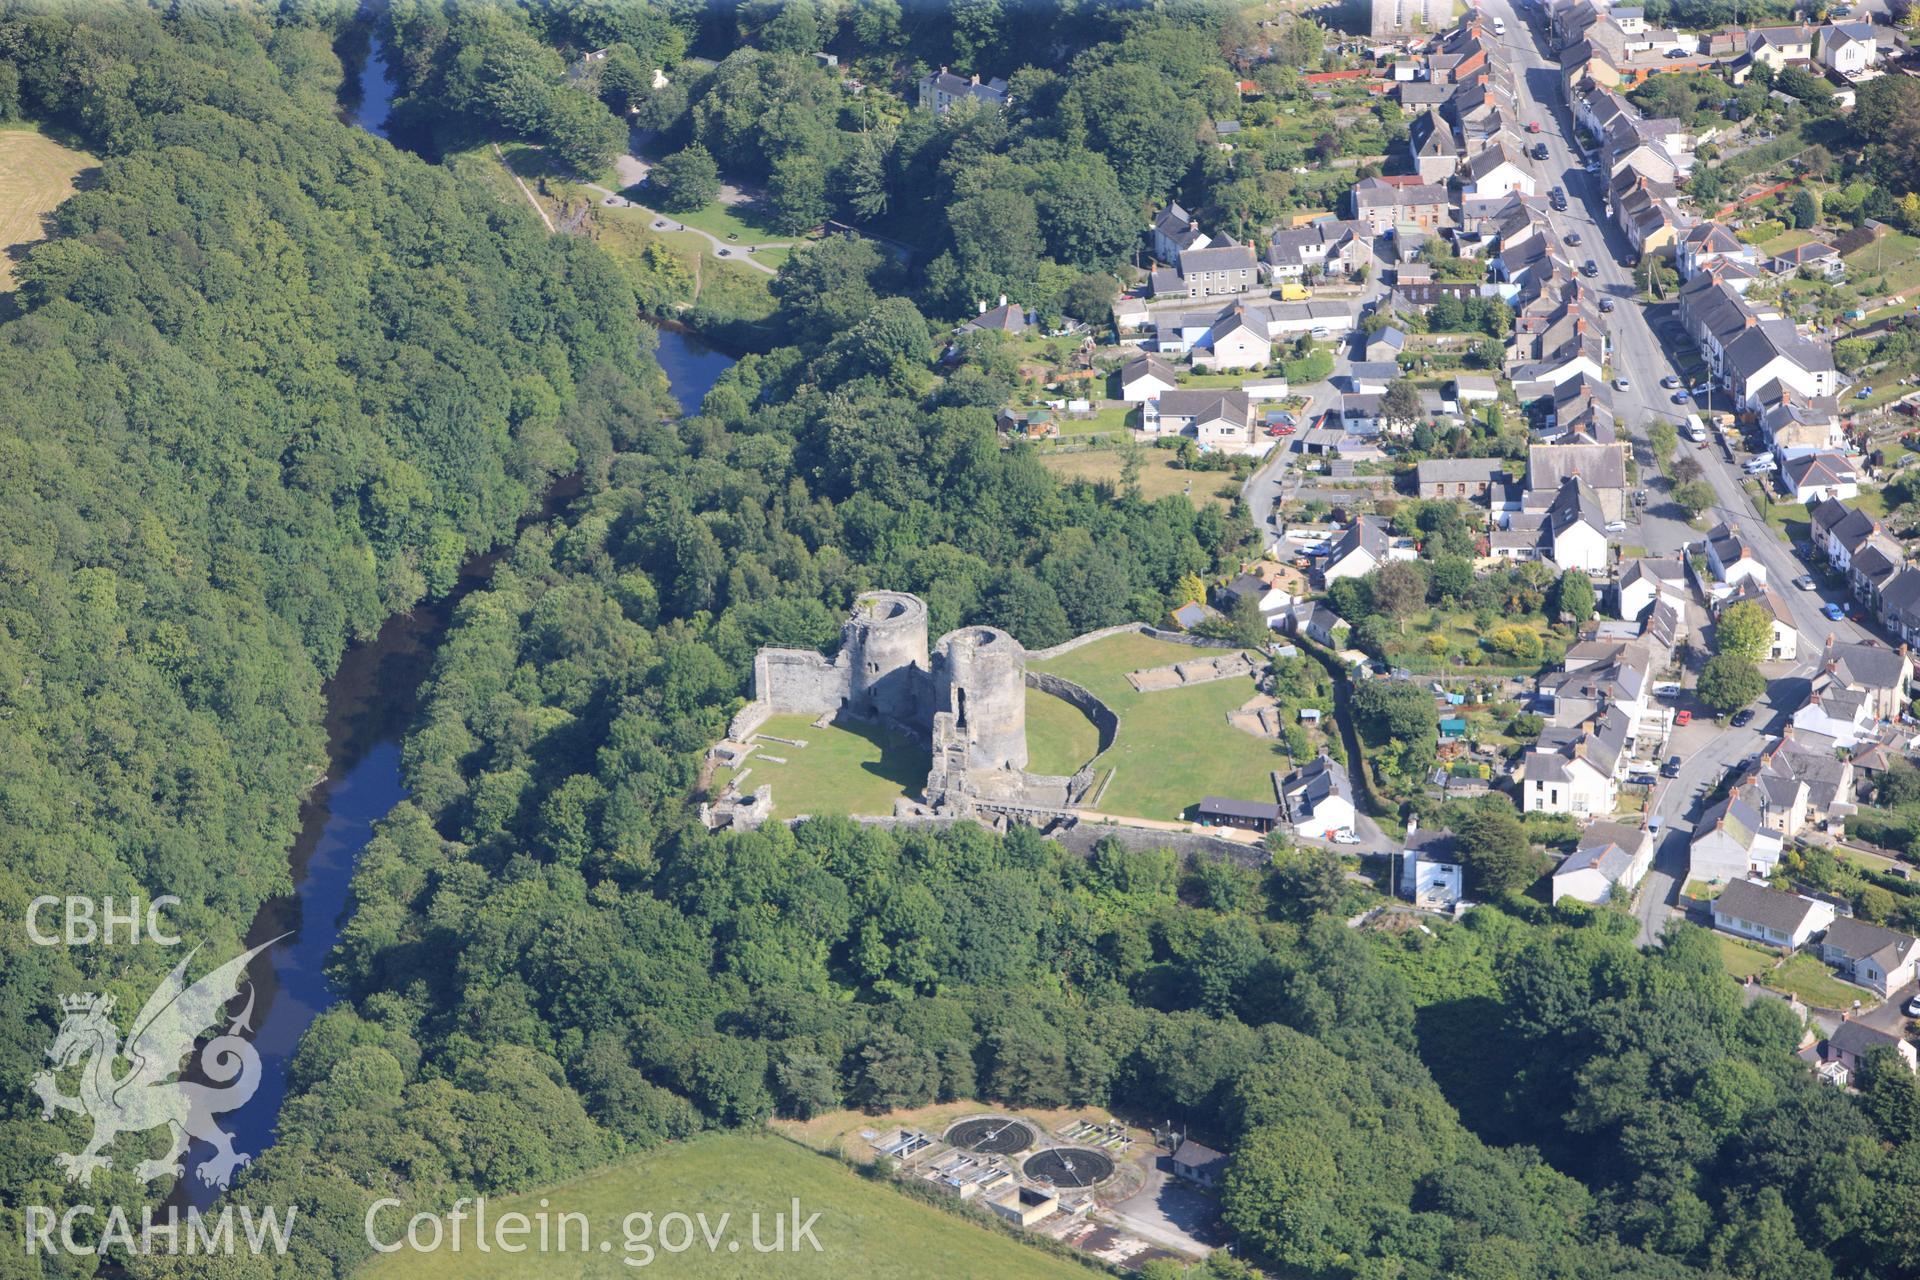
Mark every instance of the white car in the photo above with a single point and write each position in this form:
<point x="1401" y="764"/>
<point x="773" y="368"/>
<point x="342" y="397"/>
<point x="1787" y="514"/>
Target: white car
<point x="1760" y="465"/>
<point x="1345" y="837"/>
<point x="1616" y="526"/>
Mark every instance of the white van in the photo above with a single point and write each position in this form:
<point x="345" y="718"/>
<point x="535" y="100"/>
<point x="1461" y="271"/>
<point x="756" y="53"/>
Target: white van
<point x="1696" y="429"/>
<point x="1499" y="26"/>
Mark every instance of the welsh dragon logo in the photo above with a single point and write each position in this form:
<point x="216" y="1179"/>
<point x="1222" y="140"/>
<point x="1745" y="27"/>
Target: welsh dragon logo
<point x="146" y="1094"/>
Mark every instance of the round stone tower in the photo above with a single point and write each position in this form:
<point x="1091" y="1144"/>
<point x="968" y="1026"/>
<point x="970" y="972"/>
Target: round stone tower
<point x="981" y="680"/>
<point x="886" y="642"/>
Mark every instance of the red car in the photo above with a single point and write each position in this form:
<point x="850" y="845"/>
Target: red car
<point x="1286" y="429"/>
<point x="1533" y="126"/>
<point x="1682" y="719"/>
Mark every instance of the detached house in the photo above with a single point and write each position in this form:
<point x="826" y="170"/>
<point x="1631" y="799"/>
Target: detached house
<point x="1730" y="842"/>
<point x="1818" y="477"/>
<point x="1146" y="377"/>
<point x="1853" y="1040"/>
<point x="1781" y="47"/>
<point x="1221" y="418"/>
<point x="1849" y="47"/>
<point x="1750" y="910"/>
<point x="1876" y="957"/>
<point x="1610" y="859"/>
<point x="1318" y="798"/>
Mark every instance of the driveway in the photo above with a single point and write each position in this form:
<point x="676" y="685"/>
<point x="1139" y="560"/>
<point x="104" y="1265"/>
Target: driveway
<point x="1170" y="1212"/>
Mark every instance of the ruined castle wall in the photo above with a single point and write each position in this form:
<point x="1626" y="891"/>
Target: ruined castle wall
<point x="1105" y="721"/>
<point x="980" y="675"/>
<point x="798" y="681"/>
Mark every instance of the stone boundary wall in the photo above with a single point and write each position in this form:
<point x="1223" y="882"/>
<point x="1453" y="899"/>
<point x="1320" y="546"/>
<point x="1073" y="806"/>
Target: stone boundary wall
<point x="1105" y="720"/>
<point x="1129" y="628"/>
<point x="1080" y="838"/>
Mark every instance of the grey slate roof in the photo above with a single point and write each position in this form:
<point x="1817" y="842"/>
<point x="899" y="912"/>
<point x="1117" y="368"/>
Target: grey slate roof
<point x="1768" y="908"/>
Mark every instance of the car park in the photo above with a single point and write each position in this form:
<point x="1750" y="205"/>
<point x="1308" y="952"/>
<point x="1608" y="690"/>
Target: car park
<point x="1742" y="718"/>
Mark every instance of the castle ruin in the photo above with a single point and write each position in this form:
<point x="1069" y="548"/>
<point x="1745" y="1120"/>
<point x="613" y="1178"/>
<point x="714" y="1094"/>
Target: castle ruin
<point x="966" y="700"/>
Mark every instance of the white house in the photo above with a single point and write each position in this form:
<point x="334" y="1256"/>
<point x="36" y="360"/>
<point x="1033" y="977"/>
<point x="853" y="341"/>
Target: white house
<point x="1430" y="869"/>
<point x="1364" y="546"/>
<point x="1610" y="858"/>
<point x="1731" y="842"/>
<point x="1871" y="955"/>
<point x="1750" y="910"/>
<point x="1645" y="580"/>
<point x="1848" y="47"/>
<point x="1783" y="644"/>
<point x="1815" y="477"/>
<point x="1222" y="418"/>
<point x="1494" y="171"/>
<point x="1146" y="377"/>
<point x="1318" y="798"/>
<point x="1577" y="528"/>
<point x="1732" y="560"/>
<point x="1237" y="341"/>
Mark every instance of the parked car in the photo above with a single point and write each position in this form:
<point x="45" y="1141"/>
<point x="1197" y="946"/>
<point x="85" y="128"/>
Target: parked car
<point x="1533" y="126"/>
<point x="1671" y="380"/>
<point x="1540" y="151"/>
<point x="1681" y="719"/>
<point x="1621" y="384"/>
<point x="1863" y="393"/>
<point x="1679" y="397"/>
<point x="1742" y="718"/>
<point x="1606" y="304"/>
<point x="1573" y="237"/>
<point x="1590" y="269"/>
<point x="1669" y="689"/>
<point x="1345" y="837"/>
<point x="1641" y="779"/>
<point x="1805" y="582"/>
<point x="1616" y="526"/>
<point x="1671" y="769"/>
<point x="1757" y="465"/>
<point x="1912" y="1008"/>
<point x="1834" y="612"/>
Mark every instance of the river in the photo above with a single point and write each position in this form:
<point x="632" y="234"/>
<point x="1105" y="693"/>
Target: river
<point x="370" y="701"/>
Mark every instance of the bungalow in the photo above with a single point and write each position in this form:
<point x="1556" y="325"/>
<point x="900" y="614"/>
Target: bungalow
<point x="1751" y="910"/>
<point x="1270" y="599"/>
<point x="1197" y="1163"/>
<point x="1818" y="477"/>
<point x="1874" y="956"/>
<point x="1318" y="798"/>
<point x="1610" y="858"/>
<point x="1246" y="815"/>
<point x="1732" y="842"/>
<point x="1008" y="318"/>
<point x="1146" y="377"/>
<point x="1212" y="416"/>
<point x="1821" y="259"/>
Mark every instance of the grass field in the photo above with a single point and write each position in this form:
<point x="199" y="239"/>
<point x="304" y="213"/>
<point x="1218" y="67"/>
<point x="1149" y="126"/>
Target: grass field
<point x="853" y="768"/>
<point x="864" y="1229"/>
<point x="1159" y="478"/>
<point x="36" y="174"/>
<point x="1175" y="746"/>
<point x="1059" y="738"/>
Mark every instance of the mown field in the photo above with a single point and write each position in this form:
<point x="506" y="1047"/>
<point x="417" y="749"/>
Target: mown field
<point x="36" y="174"/>
<point x="1175" y="746"/>
<point x="864" y="1229"/>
